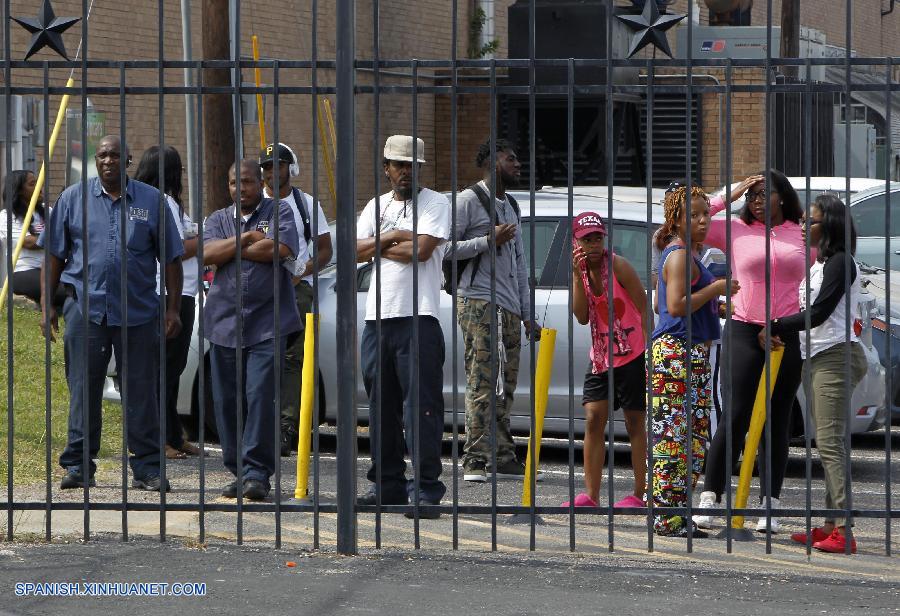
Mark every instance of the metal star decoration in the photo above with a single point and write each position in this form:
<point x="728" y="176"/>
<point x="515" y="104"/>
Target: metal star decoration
<point x="46" y="30"/>
<point x="649" y="28"/>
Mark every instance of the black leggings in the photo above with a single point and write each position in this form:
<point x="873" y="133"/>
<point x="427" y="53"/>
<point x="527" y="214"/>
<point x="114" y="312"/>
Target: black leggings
<point x="28" y="283"/>
<point x="747" y="365"/>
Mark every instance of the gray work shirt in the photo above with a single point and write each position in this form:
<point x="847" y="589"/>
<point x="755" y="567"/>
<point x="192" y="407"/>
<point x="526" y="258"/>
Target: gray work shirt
<point x="257" y="281"/>
<point x="66" y="237"/>
<point x="473" y="226"/>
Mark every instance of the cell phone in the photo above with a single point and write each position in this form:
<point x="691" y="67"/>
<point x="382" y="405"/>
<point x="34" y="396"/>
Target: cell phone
<point x="718" y="270"/>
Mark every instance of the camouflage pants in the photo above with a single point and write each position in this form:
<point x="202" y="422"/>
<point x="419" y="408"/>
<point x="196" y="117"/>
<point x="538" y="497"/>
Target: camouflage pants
<point x="474" y="317"/>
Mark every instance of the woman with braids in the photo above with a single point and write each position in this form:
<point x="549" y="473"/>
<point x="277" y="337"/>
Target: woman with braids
<point x="676" y="359"/>
<point x="176" y="348"/>
<point x="17" y="193"/>
<point x="830" y="345"/>
<point x="787" y="269"/>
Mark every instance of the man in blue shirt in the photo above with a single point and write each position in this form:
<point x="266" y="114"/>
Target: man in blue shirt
<point x="68" y="237"/>
<point x="259" y="265"/>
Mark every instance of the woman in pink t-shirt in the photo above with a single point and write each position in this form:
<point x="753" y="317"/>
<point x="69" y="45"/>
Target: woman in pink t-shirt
<point x="787" y="267"/>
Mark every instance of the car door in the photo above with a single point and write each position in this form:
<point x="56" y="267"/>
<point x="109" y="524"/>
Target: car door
<point x="869" y="218"/>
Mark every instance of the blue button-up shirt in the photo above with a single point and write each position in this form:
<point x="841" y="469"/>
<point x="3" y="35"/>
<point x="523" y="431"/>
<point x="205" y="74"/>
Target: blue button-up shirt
<point x="257" y="281"/>
<point x="65" y="236"/>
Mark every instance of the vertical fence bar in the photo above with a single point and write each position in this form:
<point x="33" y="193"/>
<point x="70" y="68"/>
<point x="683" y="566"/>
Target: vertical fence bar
<point x="201" y="297"/>
<point x="375" y="444"/>
<point x="162" y="260"/>
<point x="123" y="289"/>
<point x="9" y="274"/>
<point x="45" y="292"/>
<point x="688" y="269"/>
<point x="888" y="379"/>
<point x="765" y="478"/>
<point x="848" y="261"/>
<point x="276" y="291"/>
<point x="651" y="73"/>
<point x="346" y="276"/>
<point x="610" y="159"/>
<point x="570" y="289"/>
<point x="454" y="317"/>
<point x="807" y="386"/>
<point x="532" y="278"/>
<point x="317" y="205"/>
<point x="85" y="305"/>
<point x="729" y="305"/>
<point x="492" y="306"/>
<point x="416" y="333"/>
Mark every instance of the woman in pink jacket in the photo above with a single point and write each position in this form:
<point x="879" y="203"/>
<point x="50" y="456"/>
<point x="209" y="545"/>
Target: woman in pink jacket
<point x="787" y="266"/>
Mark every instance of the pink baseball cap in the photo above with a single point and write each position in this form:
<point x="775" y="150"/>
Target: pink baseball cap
<point x="587" y="223"/>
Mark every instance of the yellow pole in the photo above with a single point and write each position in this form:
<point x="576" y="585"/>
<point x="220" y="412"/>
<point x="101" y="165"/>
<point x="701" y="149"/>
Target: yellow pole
<point x="60" y="116"/>
<point x="328" y="164"/>
<point x="307" y="390"/>
<point x="542" y="374"/>
<point x="260" y="110"/>
<point x="757" y="422"/>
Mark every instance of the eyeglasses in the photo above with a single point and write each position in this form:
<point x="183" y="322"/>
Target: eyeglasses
<point x="753" y="195"/>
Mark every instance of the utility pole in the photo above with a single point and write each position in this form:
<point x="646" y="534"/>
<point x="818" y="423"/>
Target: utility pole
<point x="218" y="120"/>
<point x="790" y="34"/>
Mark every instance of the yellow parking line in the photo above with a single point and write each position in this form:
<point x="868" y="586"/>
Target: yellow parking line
<point x="445" y="538"/>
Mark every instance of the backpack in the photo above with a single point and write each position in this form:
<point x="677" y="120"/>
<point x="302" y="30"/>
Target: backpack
<point x="304" y="214"/>
<point x="461" y="264"/>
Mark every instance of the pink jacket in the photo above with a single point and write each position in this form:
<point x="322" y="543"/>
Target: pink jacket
<point x="748" y="252"/>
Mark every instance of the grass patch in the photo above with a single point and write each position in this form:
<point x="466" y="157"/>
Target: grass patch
<point x="30" y="403"/>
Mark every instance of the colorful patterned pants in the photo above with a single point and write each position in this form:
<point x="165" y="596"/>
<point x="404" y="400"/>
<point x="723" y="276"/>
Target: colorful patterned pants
<point x="670" y="426"/>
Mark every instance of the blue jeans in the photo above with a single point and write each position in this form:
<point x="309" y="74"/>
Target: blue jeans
<point x="258" y="412"/>
<point x="142" y="410"/>
<point x="398" y="405"/>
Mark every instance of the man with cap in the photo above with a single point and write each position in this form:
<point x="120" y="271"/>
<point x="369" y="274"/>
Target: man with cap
<point x="302" y="268"/>
<point x="254" y="277"/>
<point x="484" y="288"/>
<point x="393" y="409"/>
<point x="96" y="251"/>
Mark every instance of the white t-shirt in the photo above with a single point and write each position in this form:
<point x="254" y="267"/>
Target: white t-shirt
<point x="188" y="266"/>
<point x="29" y="259"/>
<point x="306" y="248"/>
<point x="397" y="278"/>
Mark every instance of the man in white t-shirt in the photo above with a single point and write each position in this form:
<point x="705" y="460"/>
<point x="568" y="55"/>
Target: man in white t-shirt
<point x="312" y="241"/>
<point x="393" y="409"/>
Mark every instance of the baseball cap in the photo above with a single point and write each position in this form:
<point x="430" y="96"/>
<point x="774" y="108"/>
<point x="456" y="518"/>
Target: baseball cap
<point x="267" y="154"/>
<point x="399" y="147"/>
<point x="587" y="223"/>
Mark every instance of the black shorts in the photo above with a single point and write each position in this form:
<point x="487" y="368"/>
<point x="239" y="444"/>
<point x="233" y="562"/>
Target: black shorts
<point x="630" y="385"/>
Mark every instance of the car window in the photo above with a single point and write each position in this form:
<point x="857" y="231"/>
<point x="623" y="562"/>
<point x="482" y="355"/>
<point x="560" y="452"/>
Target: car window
<point x="629" y="241"/>
<point x="869" y="215"/>
<point x="544" y="232"/>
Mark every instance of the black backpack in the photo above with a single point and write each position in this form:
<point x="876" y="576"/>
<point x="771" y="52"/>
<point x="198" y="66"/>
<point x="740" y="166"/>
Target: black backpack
<point x="461" y="264"/>
<point x="304" y="214"/>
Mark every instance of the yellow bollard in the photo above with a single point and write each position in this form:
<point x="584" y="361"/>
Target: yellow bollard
<point x="307" y="397"/>
<point x="757" y="422"/>
<point x="542" y="373"/>
<point x="39" y="186"/>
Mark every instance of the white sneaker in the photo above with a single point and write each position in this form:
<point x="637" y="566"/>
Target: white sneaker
<point x="761" y="522"/>
<point x="707" y="501"/>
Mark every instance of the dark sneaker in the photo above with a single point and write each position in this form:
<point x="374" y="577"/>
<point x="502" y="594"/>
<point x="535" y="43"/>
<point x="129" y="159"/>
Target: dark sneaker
<point x="151" y="484"/>
<point x="230" y="491"/>
<point x="254" y="489"/>
<point x="369" y="498"/>
<point x="475" y="471"/>
<point x="288" y="442"/>
<point x="424" y="514"/>
<point x="511" y="469"/>
<point x="74" y="479"/>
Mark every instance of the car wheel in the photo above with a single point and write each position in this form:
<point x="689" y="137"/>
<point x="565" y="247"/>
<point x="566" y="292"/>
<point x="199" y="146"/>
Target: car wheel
<point x="211" y="434"/>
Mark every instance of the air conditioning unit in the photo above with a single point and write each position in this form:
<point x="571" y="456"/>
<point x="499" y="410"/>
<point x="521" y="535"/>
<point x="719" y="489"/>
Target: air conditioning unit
<point x="720" y="42"/>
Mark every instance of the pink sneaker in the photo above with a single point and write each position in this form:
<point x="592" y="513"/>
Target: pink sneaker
<point x="582" y="500"/>
<point x="630" y="501"/>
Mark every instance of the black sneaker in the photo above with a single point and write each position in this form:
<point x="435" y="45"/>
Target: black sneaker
<point x="424" y="514"/>
<point x="151" y="484"/>
<point x="74" y="479"/>
<point x="369" y="498"/>
<point x="475" y="471"/>
<point x="511" y="469"/>
<point x="230" y="491"/>
<point x="255" y="490"/>
<point x="288" y="441"/>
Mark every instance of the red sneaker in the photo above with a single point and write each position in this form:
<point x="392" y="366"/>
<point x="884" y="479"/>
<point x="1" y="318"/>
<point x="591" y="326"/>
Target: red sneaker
<point x="836" y="544"/>
<point x="817" y="535"/>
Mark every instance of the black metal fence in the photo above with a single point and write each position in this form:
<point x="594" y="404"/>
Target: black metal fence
<point x="341" y="283"/>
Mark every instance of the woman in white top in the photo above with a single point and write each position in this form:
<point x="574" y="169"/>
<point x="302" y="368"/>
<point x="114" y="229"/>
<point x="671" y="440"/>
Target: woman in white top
<point x="176" y="348"/>
<point x="17" y="193"/>
<point x="826" y="358"/>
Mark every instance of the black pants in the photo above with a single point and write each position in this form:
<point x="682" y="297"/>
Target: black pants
<point x="176" y="358"/>
<point x="29" y="284"/>
<point x="398" y="405"/>
<point x="747" y="366"/>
